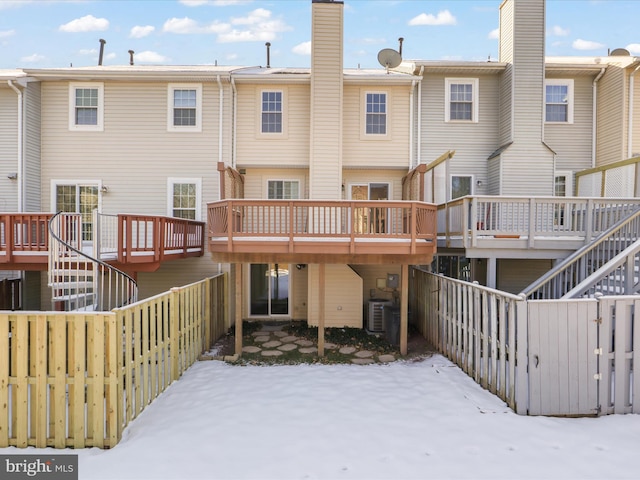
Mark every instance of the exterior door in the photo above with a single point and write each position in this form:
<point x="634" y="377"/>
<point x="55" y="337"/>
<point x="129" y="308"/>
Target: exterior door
<point x="269" y="289"/>
<point x="82" y="199"/>
<point x="370" y="220"/>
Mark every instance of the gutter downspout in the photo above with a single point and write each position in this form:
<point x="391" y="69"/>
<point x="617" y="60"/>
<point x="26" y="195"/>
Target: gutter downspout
<point x="595" y="117"/>
<point x="20" y="149"/>
<point x="235" y="116"/>
<point x="220" y="119"/>
<point x="630" y="123"/>
<point x="419" y="133"/>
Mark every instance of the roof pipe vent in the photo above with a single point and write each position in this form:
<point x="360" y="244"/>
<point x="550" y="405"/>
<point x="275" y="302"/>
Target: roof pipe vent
<point x="131" y="52"/>
<point x="268" y="44"/>
<point x="102" y="42"/>
<point x="400" y="40"/>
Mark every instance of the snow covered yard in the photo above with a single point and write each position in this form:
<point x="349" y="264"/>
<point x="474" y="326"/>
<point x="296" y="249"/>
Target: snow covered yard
<point x="403" y="420"/>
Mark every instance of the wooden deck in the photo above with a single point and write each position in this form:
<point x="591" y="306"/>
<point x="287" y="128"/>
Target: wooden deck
<point x="132" y="243"/>
<point x="314" y="231"/>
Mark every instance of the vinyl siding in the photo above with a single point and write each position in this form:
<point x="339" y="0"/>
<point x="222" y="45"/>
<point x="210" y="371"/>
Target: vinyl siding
<point x="255" y="180"/>
<point x="8" y="149"/>
<point x="635" y="135"/>
<point x="494" y="183"/>
<point x="255" y="149"/>
<point x="610" y="121"/>
<point x="175" y="274"/>
<point x="343" y="296"/>
<point x="326" y="101"/>
<point x="370" y="274"/>
<point x="572" y="142"/>
<point x="506" y="43"/>
<point x="473" y="142"/>
<point x="135" y="140"/>
<point x="33" y="195"/>
<point x="371" y="151"/>
<point x="514" y="275"/>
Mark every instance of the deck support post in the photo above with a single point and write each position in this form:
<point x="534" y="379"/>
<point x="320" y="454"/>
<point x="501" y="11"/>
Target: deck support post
<point x="321" y="299"/>
<point x="238" y="308"/>
<point x="404" y="308"/>
<point x="491" y="272"/>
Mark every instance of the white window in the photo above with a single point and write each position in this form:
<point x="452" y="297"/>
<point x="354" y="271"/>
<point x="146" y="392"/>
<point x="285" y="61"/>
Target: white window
<point x="86" y="106"/>
<point x="461" y="185"/>
<point x="271" y="112"/>
<point x="184" y="108"/>
<point x="375" y="113"/>
<point x="184" y="198"/>
<point x="558" y="101"/>
<point x="461" y="103"/>
<point x="283" y="189"/>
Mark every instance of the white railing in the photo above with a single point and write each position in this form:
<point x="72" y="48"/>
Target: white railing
<point x="583" y="263"/>
<point x="105" y="244"/>
<point x="534" y="218"/>
<point x="79" y="281"/>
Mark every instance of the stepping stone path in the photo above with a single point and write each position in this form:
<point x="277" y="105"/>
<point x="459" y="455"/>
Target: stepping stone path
<point x="274" y="342"/>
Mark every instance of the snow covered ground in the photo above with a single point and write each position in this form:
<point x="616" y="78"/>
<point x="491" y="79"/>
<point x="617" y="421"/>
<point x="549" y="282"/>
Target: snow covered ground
<point x="406" y="420"/>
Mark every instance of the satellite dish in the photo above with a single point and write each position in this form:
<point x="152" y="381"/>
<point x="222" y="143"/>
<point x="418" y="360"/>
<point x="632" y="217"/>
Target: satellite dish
<point x="389" y="58"/>
<point x="620" y="52"/>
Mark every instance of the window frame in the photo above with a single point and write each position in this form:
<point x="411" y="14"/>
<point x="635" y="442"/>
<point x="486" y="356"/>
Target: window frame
<point x="283" y="180"/>
<point x="471" y="184"/>
<point x="475" y="99"/>
<point x="568" y="82"/>
<point x="197" y="181"/>
<point x="387" y="115"/>
<point x="99" y="126"/>
<point x="171" y="88"/>
<point x="282" y="132"/>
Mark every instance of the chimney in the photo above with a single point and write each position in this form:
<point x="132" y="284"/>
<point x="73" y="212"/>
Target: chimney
<point x="102" y="42"/>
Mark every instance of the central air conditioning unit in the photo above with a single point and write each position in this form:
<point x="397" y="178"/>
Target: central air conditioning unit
<point x="375" y="316"/>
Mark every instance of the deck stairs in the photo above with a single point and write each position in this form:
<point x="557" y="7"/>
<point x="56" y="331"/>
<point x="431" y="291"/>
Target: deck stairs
<point x="78" y="281"/>
<point x="610" y="265"/>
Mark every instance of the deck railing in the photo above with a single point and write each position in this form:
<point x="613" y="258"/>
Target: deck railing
<point x="23" y="234"/>
<point x="530" y="217"/>
<point x="316" y="218"/>
<point x="583" y="263"/>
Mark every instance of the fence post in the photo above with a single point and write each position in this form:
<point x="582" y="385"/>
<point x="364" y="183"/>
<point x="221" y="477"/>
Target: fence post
<point x="174" y="328"/>
<point x="522" y="352"/>
<point x="207" y="315"/>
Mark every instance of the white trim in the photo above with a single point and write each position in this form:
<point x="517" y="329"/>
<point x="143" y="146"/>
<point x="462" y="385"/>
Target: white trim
<point x="568" y="82"/>
<point x="170" y="107"/>
<point x="568" y="175"/>
<point x="387" y="114"/>
<point x="475" y="98"/>
<point x="368" y="185"/>
<point x="99" y="127"/>
<point x="194" y="180"/>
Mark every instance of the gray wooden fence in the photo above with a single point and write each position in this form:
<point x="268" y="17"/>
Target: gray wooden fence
<point x="542" y="357"/>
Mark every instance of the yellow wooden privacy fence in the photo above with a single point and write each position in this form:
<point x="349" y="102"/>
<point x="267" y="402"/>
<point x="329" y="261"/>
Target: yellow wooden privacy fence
<point x="76" y="379"/>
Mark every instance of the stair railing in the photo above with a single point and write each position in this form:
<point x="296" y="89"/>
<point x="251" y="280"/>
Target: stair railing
<point x="581" y="264"/>
<point x="78" y="280"/>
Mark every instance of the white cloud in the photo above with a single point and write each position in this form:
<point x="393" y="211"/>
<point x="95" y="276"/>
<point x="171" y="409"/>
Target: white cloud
<point x="232" y="56"/>
<point x="494" y="34"/>
<point x="634" y="48"/>
<point x="303" y="48"/>
<point x="558" y="31"/>
<point x="444" y="17"/>
<point x="32" y="58"/>
<point x="7" y="33"/>
<point x="88" y="51"/>
<point x="256" y="16"/>
<point x="139" y="31"/>
<point x="110" y="56"/>
<point x="187" y="25"/>
<point x="372" y="41"/>
<point x="88" y="23"/>
<point x="150" y="57"/>
<point x="215" y="3"/>
<point x="580" y="44"/>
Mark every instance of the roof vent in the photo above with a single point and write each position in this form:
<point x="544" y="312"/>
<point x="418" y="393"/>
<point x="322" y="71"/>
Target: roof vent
<point x="620" y="52"/>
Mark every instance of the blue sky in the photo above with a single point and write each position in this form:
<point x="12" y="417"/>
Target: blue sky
<point x="56" y="33"/>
